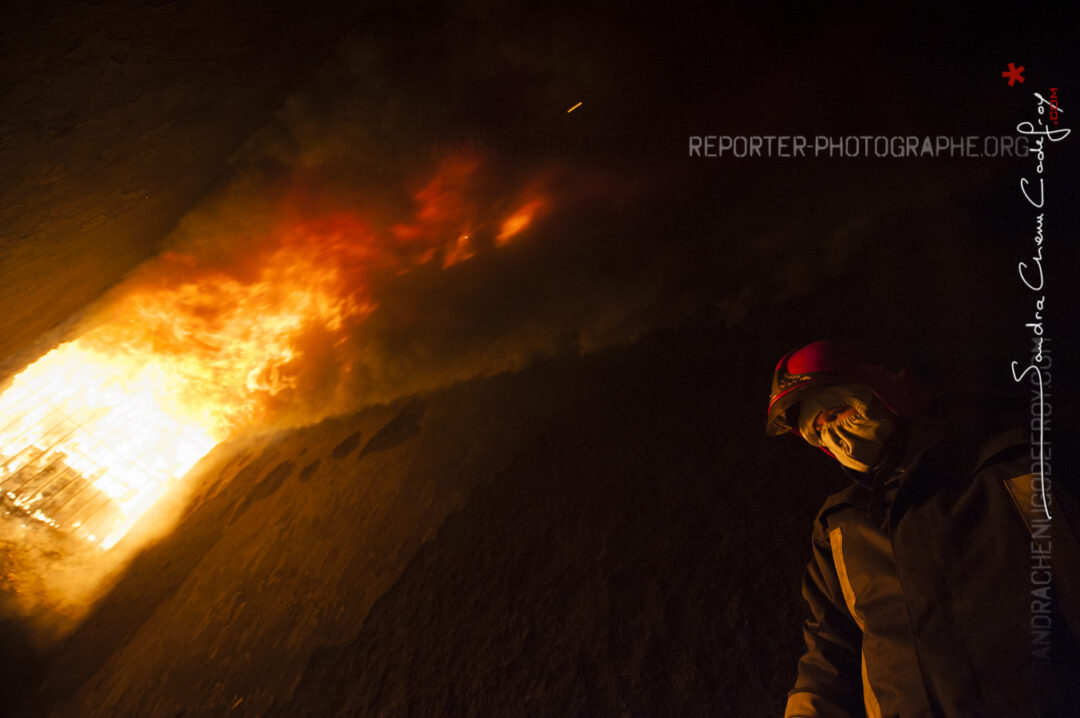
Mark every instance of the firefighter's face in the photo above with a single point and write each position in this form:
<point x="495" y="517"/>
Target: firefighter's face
<point x="851" y="426"/>
<point x="832" y="416"/>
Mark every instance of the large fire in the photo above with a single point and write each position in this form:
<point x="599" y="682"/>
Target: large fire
<point x="194" y="350"/>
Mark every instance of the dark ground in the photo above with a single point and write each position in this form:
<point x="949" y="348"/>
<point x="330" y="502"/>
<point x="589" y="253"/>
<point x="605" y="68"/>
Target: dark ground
<point x="600" y="535"/>
<point x="555" y="542"/>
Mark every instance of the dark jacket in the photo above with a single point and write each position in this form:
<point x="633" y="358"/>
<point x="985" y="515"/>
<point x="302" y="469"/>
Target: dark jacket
<point x="928" y="597"/>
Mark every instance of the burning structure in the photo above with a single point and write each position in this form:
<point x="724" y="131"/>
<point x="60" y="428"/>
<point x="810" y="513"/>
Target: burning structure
<point x="191" y="351"/>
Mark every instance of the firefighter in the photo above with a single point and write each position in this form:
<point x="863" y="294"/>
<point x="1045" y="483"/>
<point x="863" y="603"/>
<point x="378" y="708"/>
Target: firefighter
<point x="938" y="586"/>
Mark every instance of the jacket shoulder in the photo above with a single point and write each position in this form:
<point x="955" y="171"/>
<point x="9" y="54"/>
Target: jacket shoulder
<point x="853" y="497"/>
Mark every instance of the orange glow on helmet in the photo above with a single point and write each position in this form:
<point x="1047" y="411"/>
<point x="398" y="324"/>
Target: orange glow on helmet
<point x="826" y="363"/>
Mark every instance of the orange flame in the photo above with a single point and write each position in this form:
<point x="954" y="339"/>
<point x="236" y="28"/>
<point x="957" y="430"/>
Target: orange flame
<point x="519" y="221"/>
<point x="94" y="432"/>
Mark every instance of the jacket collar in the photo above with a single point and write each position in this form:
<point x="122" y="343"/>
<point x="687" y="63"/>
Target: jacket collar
<point x="1000" y="443"/>
<point x="923" y="433"/>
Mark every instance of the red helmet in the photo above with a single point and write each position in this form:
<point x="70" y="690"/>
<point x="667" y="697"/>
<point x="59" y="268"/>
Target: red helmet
<point x="825" y="363"/>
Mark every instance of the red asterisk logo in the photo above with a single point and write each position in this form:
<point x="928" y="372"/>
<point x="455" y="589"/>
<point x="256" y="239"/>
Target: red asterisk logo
<point x="1013" y="73"/>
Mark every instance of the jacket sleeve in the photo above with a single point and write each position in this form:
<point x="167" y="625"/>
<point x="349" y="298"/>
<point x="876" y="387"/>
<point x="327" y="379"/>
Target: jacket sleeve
<point x="829" y="683"/>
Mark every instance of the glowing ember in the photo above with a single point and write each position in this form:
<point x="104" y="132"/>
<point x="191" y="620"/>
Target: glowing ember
<point x="459" y="251"/>
<point x="94" y="432"/>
